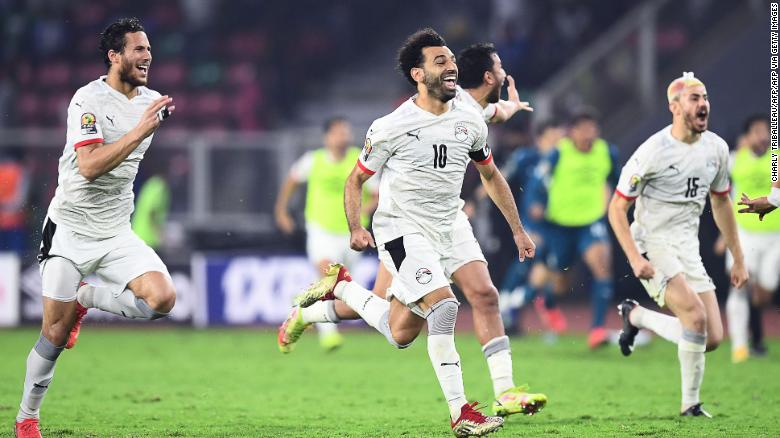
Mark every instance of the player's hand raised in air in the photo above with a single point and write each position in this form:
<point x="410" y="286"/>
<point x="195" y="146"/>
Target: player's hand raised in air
<point x="149" y="120"/>
<point x="525" y="246"/>
<point x="642" y="268"/>
<point x="514" y="97"/>
<point x="360" y="239"/>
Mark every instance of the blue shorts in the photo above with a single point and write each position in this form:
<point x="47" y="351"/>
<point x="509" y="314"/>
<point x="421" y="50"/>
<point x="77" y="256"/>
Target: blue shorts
<point x="565" y="244"/>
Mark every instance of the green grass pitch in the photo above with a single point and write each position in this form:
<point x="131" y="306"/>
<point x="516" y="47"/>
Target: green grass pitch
<point x="230" y="383"/>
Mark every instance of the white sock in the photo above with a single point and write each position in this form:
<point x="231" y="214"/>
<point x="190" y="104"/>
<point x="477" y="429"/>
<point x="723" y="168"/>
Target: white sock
<point x="738" y="316"/>
<point x="690" y="351"/>
<point x="665" y="326"/>
<point x="369" y="306"/>
<point x="446" y="364"/>
<point x="321" y="311"/>
<point x="125" y="304"/>
<point x="499" y="360"/>
<point x="40" y="371"/>
<point x="444" y="357"/>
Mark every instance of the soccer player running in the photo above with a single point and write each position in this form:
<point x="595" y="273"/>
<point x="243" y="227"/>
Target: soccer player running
<point x="111" y="122"/>
<point x="669" y="176"/>
<point x="751" y="176"/>
<point x="327" y="235"/>
<point x="422" y="148"/>
<point x="483" y="77"/>
<point x="532" y="284"/>
<point x="577" y="179"/>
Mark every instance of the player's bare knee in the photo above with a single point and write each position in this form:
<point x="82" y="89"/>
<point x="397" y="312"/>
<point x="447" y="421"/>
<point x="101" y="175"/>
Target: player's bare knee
<point x="713" y="341"/>
<point x="484" y="298"/>
<point x="57" y="332"/>
<point x="403" y="338"/>
<point x="697" y="317"/>
<point x="162" y="298"/>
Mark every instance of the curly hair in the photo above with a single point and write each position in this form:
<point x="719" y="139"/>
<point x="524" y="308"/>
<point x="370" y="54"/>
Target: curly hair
<point x="410" y="54"/>
<point x="473" y="62"/>
<point x="113" y="37"/>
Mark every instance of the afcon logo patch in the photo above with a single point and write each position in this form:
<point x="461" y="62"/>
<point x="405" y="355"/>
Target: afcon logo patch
<point x="461" y="132"/>
<point x="424" y="276"/>
<point x="366" y="149"/>
<point x="88" y="124"/>
<point x="635" y="180"/>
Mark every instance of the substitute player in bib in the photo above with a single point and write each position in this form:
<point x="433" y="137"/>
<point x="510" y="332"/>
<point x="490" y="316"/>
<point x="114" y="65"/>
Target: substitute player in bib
<point x="579" y="174"/>
<point x="111" y="122"/>
<point x="483" y="77"/>
<point x="327" y="234"/>
<point x="523" y="284"/>
<point x="669" y="176"/>
<point x="422" y="149"/>
<point x="751" y="167"/>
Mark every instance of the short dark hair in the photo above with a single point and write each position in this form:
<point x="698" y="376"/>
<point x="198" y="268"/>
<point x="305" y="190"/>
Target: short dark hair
<point x="333" y="121"/>
<point x="544" y="125"/>
<point x="410" y="54"/>
<point x="113" y="37"/>
<point x="473" y="62"/>
<point x="584" y="115"/>
<point x="752" y="120"/>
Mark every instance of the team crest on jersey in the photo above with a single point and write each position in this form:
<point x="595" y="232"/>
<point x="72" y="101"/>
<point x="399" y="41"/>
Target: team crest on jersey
<point x="634" y="182"/>
<point x="366" y="149"/>
<point x="461" y="132"/>
<point x="88" y="124"/>
<point x="424" y="276"/>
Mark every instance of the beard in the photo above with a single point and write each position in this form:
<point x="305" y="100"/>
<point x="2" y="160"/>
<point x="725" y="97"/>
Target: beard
<point x="435" y="87"/>
<point x="495" y="94"/>
<point x="692" y="123"/>
<point x="127" y="74"/>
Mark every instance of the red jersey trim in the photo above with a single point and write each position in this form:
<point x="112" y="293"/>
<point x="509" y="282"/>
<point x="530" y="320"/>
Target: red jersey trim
<point x="723" y="193"/>
<point x="87" y="142"/>
<point x="365" y="169"/>
<point x="626" y="197"/>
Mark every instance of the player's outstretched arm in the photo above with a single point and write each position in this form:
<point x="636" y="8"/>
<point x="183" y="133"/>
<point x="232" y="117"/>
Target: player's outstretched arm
<point x="764" y="204"/>
<point x="727" y="224"/>
<point x="505" y="109"/>
<point x="283" y="219"/>
<point x="499" y="191"/>
<point x="618" y="219"/>
<point x="98" y="159"/>
<point x="360" y="238"/>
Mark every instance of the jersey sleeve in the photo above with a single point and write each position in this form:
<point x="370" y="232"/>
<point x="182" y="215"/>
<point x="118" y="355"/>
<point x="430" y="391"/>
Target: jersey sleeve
<point x="480" y="151"/>
<point x="83" y="126"/>
<point x="301" y="169"/>
<point x="376" y="150"/>
<point x="635" y="173"/>
<point x="489" y="112"/>
<point x="721" y="184"/>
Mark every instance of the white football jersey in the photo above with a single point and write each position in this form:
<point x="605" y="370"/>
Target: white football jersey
<point x="487" y="112"/>
<point x="423" y="158"/>
<point x="671" y="180"/>
<point x="99" y="114"/>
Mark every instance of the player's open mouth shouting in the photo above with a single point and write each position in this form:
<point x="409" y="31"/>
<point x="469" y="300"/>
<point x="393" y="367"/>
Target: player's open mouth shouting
<point x="143" y="68"/>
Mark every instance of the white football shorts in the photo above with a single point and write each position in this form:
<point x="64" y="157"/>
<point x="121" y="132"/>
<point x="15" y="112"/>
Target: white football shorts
<point x="66" y="258"/>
